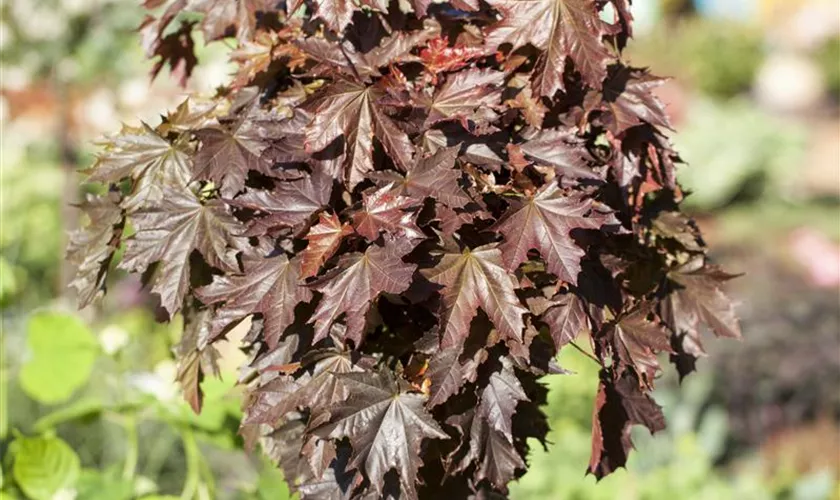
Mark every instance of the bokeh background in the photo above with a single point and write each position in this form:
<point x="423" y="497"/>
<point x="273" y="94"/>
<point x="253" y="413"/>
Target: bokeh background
<point x="755" y="97"/>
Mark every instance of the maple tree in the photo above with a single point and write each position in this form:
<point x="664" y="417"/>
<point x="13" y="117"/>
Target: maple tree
<point x="417" y="205"/>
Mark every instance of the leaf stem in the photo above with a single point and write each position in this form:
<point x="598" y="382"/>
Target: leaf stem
<point x="585" y="353"/>
<point x="130" y="466"/>
<point x="349" y="61"/>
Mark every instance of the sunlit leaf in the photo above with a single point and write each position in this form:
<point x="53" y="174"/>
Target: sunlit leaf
<point x="62" y="352"/>
<point x="44" y="466"/>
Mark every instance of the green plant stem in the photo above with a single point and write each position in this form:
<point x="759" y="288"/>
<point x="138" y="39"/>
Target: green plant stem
<point x="4" y="397"/>
<point x="204" y="492"/>
<point x="79" y="410"/>
<point x="130" y="467"/>
<point x="158" y="453"/>
<point x="208" y="485"/>
<point x="191" y="455"/>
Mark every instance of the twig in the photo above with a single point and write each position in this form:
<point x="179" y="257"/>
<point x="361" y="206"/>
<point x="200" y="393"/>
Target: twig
<point x="347" y="58"/>
<point x="588" y="355"/>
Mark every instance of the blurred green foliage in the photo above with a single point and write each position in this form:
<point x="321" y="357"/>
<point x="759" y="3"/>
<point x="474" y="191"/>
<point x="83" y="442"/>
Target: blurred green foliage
<point x="125" y="432"/>
<point x="83" y="41"/>
<point x="31" y="233"/>
<point x="718" y="58"/>
<point x="677" y="463"/>
<point x="828" y="57"/>
<point x="737" y="152"/>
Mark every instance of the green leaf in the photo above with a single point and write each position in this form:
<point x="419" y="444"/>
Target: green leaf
<point x="104" y="485"/>
<point x="62" y="351"/>
<point x="272" y="485"/>
<point x="43" y="466"/>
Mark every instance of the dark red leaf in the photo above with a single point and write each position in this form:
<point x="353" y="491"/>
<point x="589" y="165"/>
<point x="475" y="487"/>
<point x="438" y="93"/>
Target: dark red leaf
<point x="447" y="373"/>
<point x="638" y="340"/>
<point x="628" y="100"/>
<point x="619" y="405"/>
<point x="323" y="239"/>
<point x="168" y="234"/>
<point x="176" y="50"/>
<point x="567" y="319"/>
<point x="269" y="286"/>
<point x="361" y="279"/>
<point x="386" y="424"/>
<point x="290" y="203"/>
<point x="317" y="389"/>
<point x="153" y="163"/>
<point x="544" y="222"/>
<point x="562" y="29"/>
<point x="349" y="110"/>
<point x="438" y="56"/>
<point x="696" y="297"/>
<point x="559" y="148"/>
<point x="385" y="211"/>
<point x="490" y="437"/>
<point x="472" y="279"/>
<point x="432" y="177"/>
<point x="230" y="17"/>
<point x="462" y="95"/>
<point x="91" y="249"/>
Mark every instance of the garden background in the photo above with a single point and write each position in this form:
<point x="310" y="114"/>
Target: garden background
<point x="88" y="403"/>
